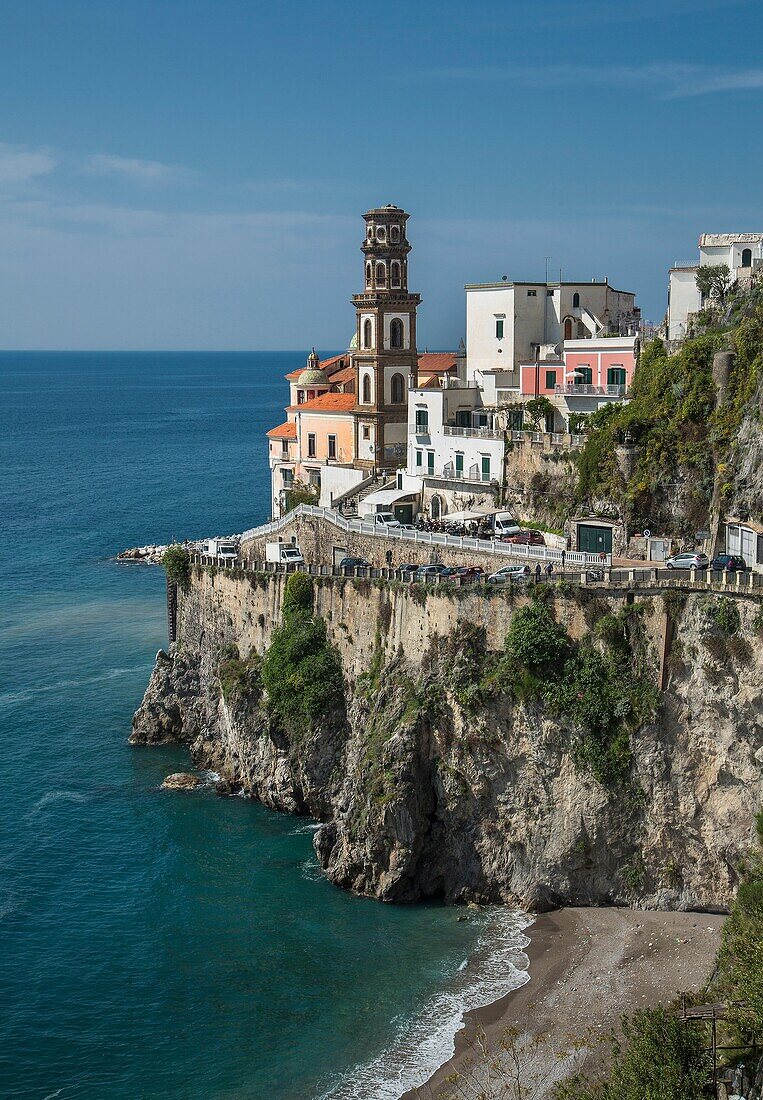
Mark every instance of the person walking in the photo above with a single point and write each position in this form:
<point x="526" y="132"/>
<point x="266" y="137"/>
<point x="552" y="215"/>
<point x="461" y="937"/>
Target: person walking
<point x="537" y="573"/>
<point x="564" y="558"/>
<point x="549" y="569"/>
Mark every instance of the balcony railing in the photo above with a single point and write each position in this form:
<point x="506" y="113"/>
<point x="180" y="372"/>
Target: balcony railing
<point x="473" y="433"/>
<point x="571" y="390"/>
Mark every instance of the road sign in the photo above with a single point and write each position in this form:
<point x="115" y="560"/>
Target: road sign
<point x="647" y="533"/>
<point x="701" y="535"/>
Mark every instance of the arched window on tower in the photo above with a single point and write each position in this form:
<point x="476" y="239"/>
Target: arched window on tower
<point x="394" y="233"/>
<point x="367" y="333"/>
<point x="381" y="275"/>
<point x="576" y="300"/>
<point x="381" y="233"/>
<point x="394" y="273"/>
<point x="746" y="257"/>
<point x="366" y="389"/>
<point x="398" y="389"/>
<point x="369" y="274"/>
<point x="396" y="333"/>
<point x="567" y="328"/>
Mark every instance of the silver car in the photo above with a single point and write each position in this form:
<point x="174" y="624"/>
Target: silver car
<point x="516" y="574"/>
<point x="689" y="559"/>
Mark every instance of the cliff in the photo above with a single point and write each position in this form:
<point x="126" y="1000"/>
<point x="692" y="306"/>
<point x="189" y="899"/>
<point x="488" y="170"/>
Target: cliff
<point x="440" y="767"/>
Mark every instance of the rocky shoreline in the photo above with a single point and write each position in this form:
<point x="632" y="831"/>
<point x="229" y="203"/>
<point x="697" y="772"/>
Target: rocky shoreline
<point x="146" y="555"/>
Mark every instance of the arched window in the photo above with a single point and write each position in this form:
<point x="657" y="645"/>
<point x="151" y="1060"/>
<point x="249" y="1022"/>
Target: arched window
<point x="398" y="389"/>
<point x="369" y="273"/>
<point x="394" y="233"/>
<point x="381" y="233"/>
<point x="366" y="389"/>
<point x="746" y="257"/>
<point x="394" y="273"/>
<point x="576" y="300"/>
<point x="396" y="333"/>
<point x="381" y="275"/>
<point x="367" y="333"/>
<point x="567" y="328"/>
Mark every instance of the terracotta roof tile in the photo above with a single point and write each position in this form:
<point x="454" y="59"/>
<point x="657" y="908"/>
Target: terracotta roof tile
<point x="437" y="362"/>
<point x="328" y="365"/>
<point x="326" y="402"/>
<point x="347" y="374"/>
<point x="284" y="431"/>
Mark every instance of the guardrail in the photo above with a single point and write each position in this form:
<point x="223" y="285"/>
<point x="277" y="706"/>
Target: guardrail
<point x="701" y="580"/>
<point x="430" y="538"/>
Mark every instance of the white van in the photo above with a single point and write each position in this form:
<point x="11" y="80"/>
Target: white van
<point x="504" y="524"/>
<point x="284" y="553"/>
<point x="221" y="548"/>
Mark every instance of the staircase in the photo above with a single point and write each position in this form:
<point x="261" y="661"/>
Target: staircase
<point x="347" y="503"/>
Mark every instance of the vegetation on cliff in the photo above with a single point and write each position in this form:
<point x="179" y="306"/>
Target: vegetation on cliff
<point x="301" y="671"/>
<point x="177" y="563"/>
<point x="685" y="442"/>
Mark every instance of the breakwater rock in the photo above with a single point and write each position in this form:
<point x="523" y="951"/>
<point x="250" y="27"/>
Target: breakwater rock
<point x="438" y="767"/>
<point x="148" y="555"/>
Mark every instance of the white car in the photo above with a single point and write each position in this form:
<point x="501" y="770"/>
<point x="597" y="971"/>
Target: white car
<point x="689" y="559"/>
<point x="510" y="574"/>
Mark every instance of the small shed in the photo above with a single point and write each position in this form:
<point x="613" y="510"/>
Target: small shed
<point x="745" y="538"/>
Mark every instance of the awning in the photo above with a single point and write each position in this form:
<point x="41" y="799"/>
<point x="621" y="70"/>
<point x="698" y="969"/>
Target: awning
<point x="388" y="496"/>
<point x="462" y="517"/>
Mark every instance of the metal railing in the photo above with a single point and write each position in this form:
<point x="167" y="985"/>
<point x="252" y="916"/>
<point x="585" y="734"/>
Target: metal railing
<point x="473" y="433"/>
<point x="569" y="389"/>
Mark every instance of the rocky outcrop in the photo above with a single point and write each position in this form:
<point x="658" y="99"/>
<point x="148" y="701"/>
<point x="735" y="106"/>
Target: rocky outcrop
<point x="182" y="781"/>
<point x="429" y="781"/>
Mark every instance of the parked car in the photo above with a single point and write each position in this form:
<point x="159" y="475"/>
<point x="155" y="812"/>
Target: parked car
<point x="424" y="572"/>
<point x="732" y="562"/>
<point x="354" y="563"/>
<point x="688" y="559"/>
<point x="526" y="538"/>
<point x="510" y="574"/>
<point x="407" y="567"/>
<point x="469" y="571"/>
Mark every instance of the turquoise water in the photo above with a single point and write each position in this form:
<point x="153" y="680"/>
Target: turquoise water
<point x="156" y="944"/>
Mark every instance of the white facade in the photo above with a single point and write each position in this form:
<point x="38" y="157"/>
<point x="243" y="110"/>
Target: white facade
<point x="741" y="252"/>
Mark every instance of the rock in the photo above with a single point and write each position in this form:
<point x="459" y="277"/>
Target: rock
<point x="182" y="781"/>
<point x="226" y="788"/>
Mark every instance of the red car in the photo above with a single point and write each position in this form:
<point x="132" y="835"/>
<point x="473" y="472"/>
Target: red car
<point x="527" y="538"/>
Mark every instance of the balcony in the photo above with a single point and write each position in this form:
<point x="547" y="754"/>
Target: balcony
<point x="473" y="433"/>
<point x="569" y="389"/>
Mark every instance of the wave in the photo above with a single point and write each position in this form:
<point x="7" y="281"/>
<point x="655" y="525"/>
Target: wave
<point x="25" y="695"/>
<point x="313" y="827"/>
<point x="55" y="796"/>
<point x="497" y="966"/>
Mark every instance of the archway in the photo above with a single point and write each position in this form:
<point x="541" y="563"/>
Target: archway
<point x="396" y="333"/>
<point x="567" y="328"/>
<point x="435" y="507"/>
<point x="398" y="389"/>
<point x="746" y="257"/>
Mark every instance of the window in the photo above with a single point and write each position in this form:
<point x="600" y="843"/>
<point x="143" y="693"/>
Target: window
<point x="419" y="458"/>
<point x="430" y="462"/>
<point x="300" y="396"/>
<point x="366" y="431"/>
<point x="394" y="233"/>
<point x="288" y="477"/>
<point x="381" y="275"/>
<point x="422" y="421"/>
<point x="550" y="416"/>
<point x="463" y="418"/>
<point x="616" y="376"/>
<point x="366" y="389"/>
<point x="746" y="257"/>
<point x="396" y="333"/>
<point x="515" y="419"/>
<point x="550" y="379"/>
<point x="499" y="328"/>
<point x="332" y="446"/>
<point x="311" y="444"/>
<point x="369" y="272"/>
<point x="367" y="333"/>
<point x="486" y="467"/>
<point x="481" y="420"/>
<point x="285" y="446"/>
<point x="381" y="233"/>
<point x="576" y="300"/>
<point x="532" y="294"/>
<point x="568" y="328"/>
<point x="394" y="273"/>
<point x="549" y="293"/>
<point x="398" y="389"/>
<point x="459" y="464"/>
<point x="583" y="376"/>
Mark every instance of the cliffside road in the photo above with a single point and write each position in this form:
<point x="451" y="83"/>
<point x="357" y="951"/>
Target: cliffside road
<point x="588" y="967"/>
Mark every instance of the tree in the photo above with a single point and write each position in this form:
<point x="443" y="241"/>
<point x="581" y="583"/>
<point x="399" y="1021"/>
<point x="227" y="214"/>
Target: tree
<point x="713" y="281"/>
<point x="538" y="408"/>
<point x="177" y="562"/>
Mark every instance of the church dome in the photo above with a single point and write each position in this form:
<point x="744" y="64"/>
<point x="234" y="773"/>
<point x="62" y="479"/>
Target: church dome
<point x="354" y="342"/>
<point x="312" y="375"/>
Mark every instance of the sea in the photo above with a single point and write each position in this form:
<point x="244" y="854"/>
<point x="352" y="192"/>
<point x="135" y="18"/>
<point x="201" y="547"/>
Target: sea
<point x="166" y="944"/>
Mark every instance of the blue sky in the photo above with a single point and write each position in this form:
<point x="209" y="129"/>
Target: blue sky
<point x="191" y="174"/>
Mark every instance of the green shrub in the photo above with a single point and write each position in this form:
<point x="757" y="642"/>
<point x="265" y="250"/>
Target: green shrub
<point x="657" y="1058"/>
<point x="177" y="562"/>
<point x="536" y="641"/>
<point x="725" y="614"/>
<point x="240" y="678"/>
<point x="298" y="594"/>
<point x="740" y="960"/>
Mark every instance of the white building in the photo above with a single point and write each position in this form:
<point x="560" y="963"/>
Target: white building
<point x="741" y="252"/>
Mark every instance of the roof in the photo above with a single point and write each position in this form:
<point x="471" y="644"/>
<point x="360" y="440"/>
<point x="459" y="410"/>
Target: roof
<point x="432" y="383"/>
<point x="749" y="523"/>
<point x="437" y="362"/>
<point x="284" y="431"/>
<point x="347" y="374"/>
<point x="326" y="402"/>
<point x="387" y="496"/>
<point x="325" y="364"/>
<point x="710" y="239"/>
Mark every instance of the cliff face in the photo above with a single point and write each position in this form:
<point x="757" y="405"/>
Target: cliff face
<point x="433" y="778"/>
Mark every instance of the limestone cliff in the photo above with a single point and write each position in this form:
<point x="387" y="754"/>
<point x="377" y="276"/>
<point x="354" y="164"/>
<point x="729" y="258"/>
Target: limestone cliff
<point x="438" y="774"/>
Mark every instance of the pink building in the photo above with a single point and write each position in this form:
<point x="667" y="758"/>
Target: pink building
<point x="601" y="367"/>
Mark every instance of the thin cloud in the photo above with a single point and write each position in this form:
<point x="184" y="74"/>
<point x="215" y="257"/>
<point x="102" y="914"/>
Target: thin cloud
<point x="133" y="169"/>
<point x="19" y="164"/>
<point x="668" y="80"/>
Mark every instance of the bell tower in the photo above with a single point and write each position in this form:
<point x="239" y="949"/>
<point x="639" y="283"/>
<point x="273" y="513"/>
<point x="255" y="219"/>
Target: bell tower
<point x="386" y="357"/>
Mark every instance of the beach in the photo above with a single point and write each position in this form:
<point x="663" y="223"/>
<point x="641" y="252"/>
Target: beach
<point x="587" y="968"/>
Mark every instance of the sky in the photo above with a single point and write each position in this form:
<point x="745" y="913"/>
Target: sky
<point x="191" y="174"/>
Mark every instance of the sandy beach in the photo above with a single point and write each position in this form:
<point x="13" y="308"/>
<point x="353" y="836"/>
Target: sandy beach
<point x="587" y="968"/>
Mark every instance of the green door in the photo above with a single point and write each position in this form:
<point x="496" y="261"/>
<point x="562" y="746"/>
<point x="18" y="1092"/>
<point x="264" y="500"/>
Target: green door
<point x="594" y="540"/>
